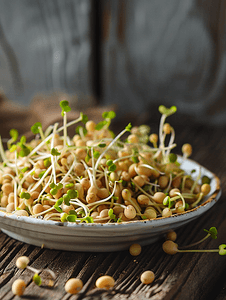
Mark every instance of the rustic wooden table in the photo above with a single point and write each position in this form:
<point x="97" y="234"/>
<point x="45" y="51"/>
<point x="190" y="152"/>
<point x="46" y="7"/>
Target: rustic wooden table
<point x="182" y="276"/>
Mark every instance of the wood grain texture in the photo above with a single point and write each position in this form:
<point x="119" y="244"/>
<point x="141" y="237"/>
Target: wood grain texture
<point x="179" y="277"/>
<point x="166" y="52"/>
<point x="46" y="46"/>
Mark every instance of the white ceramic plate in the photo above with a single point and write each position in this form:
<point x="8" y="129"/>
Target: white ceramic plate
<point x="105" y="237"/>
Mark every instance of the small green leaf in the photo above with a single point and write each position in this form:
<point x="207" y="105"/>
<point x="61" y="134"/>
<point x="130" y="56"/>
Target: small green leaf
<point x="37" y="279"/>
<point x="166" y="200"/>
<point x="84" y="118"/>
<point x="109" y="115"/>
<point x="112" y="215"/>
<point x="206" y="179"/>
<point x="213" y="232"/>
<point x="186" y="206"/>
<point x="112" y="168"/>
<point x="167" y="111"/>
<point x="69" y="185"/>
<point x="64" y="217"/>
<point x="72" y="212"/>
<point x="135" y="159"/>
<point x="25" y="195"/>
<point x="41" y="174"/>
<point x="101" y="124"/>
<point x="57" y="205"/>
<point x="14" y="134"/>
<point x="222" y="249"/>
<point x="128" y="127"/>
<point x="54" y="152"/>
<point x="102" y="145"/>
<point x="109" y="162"/>
<point x="73" y="194"/>
<point x="66" y="199"/>
<point x="172" y="157"/>
<point x="53" y="191"/>
<point x="24" y="169"/>
<point x="71" y="218"/>
<point x="52" y="185"/>
<point x="23" y="139"/>
<point x="59" y="186"/>
<point x="96" y="154"/>
<point x="13" y="148"/>
<point x="47" y="162"/>
<point x="65" y="107"/>
<point x="88" y="219"/>
<point x="35" y="127"/>
<point x="79" y="129"/>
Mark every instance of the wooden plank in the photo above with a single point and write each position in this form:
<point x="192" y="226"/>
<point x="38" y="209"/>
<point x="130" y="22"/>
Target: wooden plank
<point x="164" y="52"/>
<point x="46" y="46"/>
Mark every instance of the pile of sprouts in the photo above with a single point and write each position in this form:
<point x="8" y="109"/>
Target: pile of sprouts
<point x="95" y="176"/>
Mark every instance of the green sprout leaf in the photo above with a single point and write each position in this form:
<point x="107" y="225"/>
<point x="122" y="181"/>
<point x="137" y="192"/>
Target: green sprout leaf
<point x="96" y="154"/>
<point x="69" y="185"/>
<point x="172" y="157"/>
<point x="41" y="174"/>
<point x="109" y="115"/>
<point x="88" y="219"/>
<point x="64" y="217"/>
<point x="35" y="127"/>
<point x="66" y="199"/>
<point x="109" y="162"/>
<point x="54" y="152"/>
<point x="57" y="205"/>
<point x="47" y="162"/>
<point x="23" y="139"/>
<point x="71" y="218"/>
<point x="84" y="118"/>
<point x="102" y="145"/>
<point x="14" y="135"/>
<point x="186" y="206"/>
<point x="52" y="185"/>
<point x="101" y="125"/>
<point x="37" y="279"/>
<point x="206" y="179"/>
<point x="166" y="200"/>
<point x="13" y="148"/>
<point x="25" y="151"/>
<point x="72" y="212"/>
<point x="213" y="232"/>
<point x="24" y="169"/>
<point x="222" y="249"/>
<point x="167" y="111"/>
<point x="53" y="191"/>
<point x="128" y="127"/>
<point x="25" y="195"/>
<point x="112" y="215"/>
<point x="81" y="129"/>
<point x="112" y="168"/>
<point x="65" y="107"/>
<point x="73" y="194"/>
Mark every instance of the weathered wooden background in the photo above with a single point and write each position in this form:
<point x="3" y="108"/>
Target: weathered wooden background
<point x="131" y="53"/>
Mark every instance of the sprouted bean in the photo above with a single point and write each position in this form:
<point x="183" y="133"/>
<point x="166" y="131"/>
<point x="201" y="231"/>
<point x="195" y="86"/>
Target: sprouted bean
<point x="135" y="249"/>
<point x="172" y="248"/>
<point x="64" y="179"/>
<point x="105" y="282"/>
<point x="22" y="263"/>
<point x="147" y="277"/>
<point x="73" y="285"/>
<point x="18" y="287"/>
